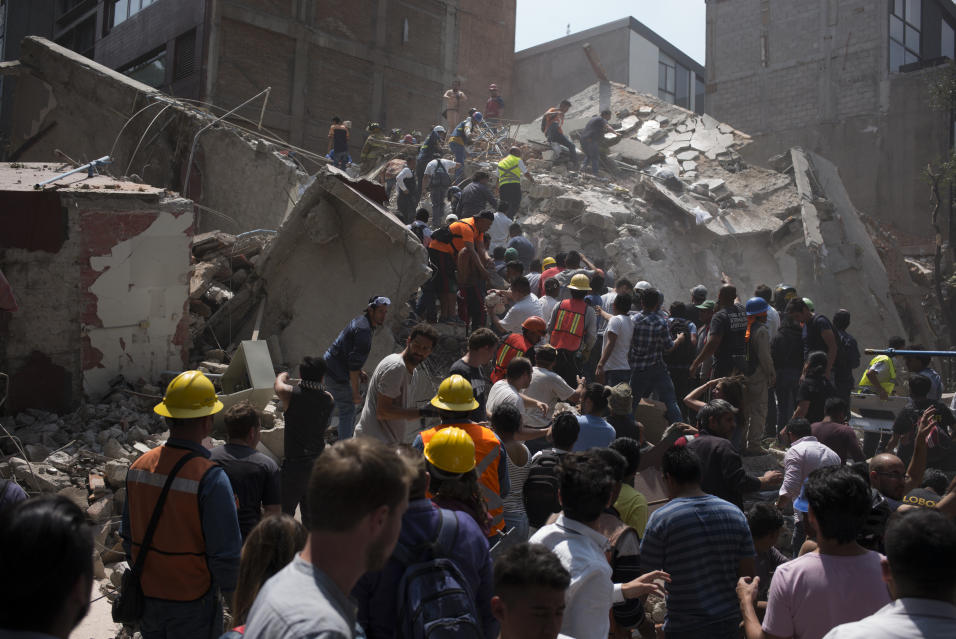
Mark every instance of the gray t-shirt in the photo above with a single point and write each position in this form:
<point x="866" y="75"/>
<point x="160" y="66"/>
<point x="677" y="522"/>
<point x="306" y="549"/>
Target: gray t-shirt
<point x="391" y="379"/>
<point x="301" y="601"/>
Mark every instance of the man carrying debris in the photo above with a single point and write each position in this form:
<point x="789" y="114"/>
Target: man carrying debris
<point x="573" y="329"/>
<point x="454" y="98"/>
<point x="461" y="138"/>
<point x="551" y="124"/>
<point x="510" y="171"/>
<point x="308" y="409"/>
<point x="346" y="357"/>
<point x="390" y="413"/>
<point x="194" y="551"/>
<point x="339" y="143"/>
<point x="436" y="180"/>
<point x="593" y="136"/>
<point x="254" y="476"/>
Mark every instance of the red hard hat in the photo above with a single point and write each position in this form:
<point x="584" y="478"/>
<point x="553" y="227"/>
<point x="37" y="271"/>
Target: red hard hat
<point x="535" y="323"/>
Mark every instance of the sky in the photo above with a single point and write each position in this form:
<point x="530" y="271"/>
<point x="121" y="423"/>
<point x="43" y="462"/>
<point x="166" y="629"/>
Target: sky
<point x="680" y="22"/>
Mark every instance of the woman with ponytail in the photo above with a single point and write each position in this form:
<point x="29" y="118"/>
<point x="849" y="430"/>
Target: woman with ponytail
<point x="595" y="431"/>
<point x="759" y="370"/>
<point x="815" y="388"/>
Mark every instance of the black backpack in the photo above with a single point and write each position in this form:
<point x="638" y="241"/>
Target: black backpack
<point x="443" y="234"/>
<point x="848" y="352"/>
<point x="440" y="179"/>
<point x="434" y="598"/>
<point x="541" y="488"/>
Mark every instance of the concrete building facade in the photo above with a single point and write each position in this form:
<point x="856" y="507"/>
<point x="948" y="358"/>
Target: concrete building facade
<point x="630" y="53"/>
<point x="847" y="79"/>
<point x="387" y="61"/>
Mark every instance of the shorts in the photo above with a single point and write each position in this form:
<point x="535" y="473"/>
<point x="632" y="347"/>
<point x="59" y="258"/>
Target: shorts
<point x="445" y="266"/>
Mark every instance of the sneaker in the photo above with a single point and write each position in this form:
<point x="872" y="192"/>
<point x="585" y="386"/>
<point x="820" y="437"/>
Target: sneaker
<point x="755" y="451"/>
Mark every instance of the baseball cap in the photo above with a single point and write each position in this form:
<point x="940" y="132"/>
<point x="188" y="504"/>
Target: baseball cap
<point x="379" y="300"/>
<point x="707" y="306"/>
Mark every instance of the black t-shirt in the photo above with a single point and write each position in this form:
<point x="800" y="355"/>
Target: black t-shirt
<point x="940" y="449"/>
<point x="254" y="478"/>
<point x="815" y="330"/>
<point x="922" y="497"/>
<point x="595" y="128"/>
<point x="624" y="426"/>
<point x="480" y="385"/>
<point x="306" y="420"/>
<point x="731" y="325"/>
<point x="817" y="390"/>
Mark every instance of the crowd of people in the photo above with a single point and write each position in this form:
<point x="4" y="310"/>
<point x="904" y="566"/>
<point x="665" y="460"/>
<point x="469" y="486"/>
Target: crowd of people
<point x="507" y="505"/>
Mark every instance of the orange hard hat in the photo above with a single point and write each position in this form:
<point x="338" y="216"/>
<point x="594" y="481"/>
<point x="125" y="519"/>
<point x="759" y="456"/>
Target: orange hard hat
<point x="535" y="323"/>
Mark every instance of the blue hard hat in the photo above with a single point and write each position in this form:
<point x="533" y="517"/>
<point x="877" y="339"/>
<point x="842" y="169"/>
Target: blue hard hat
<point x="757" y="305"/>
<point x="477" y="116"/>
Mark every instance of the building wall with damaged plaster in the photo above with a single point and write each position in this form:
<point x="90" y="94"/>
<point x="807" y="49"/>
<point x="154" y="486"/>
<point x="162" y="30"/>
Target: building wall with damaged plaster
<point x="110" y="299"/>
<point x="815" y="74"/>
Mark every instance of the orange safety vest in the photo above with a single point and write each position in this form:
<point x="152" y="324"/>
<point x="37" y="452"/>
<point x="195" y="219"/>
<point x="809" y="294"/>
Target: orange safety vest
<point x="568" y="328"/>
<point x="457" y="230"/>
<point x="513" y="346"/>
<point x="488" y="453"/>
<point x="175" y="567"/>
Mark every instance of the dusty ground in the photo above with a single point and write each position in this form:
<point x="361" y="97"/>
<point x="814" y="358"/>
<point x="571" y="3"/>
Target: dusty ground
<point x="98" y="624"/>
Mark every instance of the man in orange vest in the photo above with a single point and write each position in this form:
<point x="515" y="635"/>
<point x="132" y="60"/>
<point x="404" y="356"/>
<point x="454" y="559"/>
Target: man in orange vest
<point x="573" y="329"/>
<point x="463" y="255"/>
<point x="514" y="345"/>
<point x="551" y="123"/>
<point x="454" y="402"/>
<point x="194" y="552"/>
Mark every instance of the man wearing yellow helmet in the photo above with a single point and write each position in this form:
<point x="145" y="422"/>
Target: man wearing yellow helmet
<point x="454" y="402"/>
<point x="573" y="329"/>
<point x="193" y="550"/>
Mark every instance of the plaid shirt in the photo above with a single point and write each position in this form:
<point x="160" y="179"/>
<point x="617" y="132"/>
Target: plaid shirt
<point x="651" y="338"/>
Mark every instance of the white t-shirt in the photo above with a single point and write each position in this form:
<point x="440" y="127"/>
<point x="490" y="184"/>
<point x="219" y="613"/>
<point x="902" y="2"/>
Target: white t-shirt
<point x="432" y="166"/>
<point x="391" y="379"/>
<point x="400" y="178"/>
<point x="503" y="393"/>
<point x="623" y="327"/>
<point x="773" y="321"/>
<point x="547" y="307"/>
<point x="529" y="306"/>
<point x="499" y="230"/>
<point x="548" y="387"/>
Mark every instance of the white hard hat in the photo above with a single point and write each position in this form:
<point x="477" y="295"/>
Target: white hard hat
<point x="643" y="285"/>
<point x="439" y="129"/>
<point x="451" y="217"/>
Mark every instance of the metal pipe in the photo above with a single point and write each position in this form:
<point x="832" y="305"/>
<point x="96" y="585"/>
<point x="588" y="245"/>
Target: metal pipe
<point x="893" y="351"/>
<point x="89" y="167"/>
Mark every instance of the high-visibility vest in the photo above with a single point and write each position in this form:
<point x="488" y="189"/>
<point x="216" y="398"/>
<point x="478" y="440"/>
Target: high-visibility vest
<point x="568" y="328"/>
<point x="508" y="170"/>
<point x="488" y="453"/>
<point x="513" y="346"/>
<point x="175" y="567"/>
<point x="888" y="385"/>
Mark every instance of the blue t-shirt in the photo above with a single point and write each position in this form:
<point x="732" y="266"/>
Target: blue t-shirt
<point x="700" y="542"/>
<point x="595" y="432"/>
<point x="349" y="350"/>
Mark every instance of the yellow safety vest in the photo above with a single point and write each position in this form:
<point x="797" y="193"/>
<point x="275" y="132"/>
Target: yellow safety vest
<point x="508" y="170"/>
<point x="888" y="385"/>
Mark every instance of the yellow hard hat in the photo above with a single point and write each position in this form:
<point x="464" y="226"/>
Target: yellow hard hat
<point x="580" y="282"/>
<point x="451" y="450"/>
<point x="548" y="261"/>
<point x="455" y="393"/>
<point x="189" y="395"/>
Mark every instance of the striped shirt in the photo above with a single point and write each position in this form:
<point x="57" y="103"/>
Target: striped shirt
<point x="700" y="542"/>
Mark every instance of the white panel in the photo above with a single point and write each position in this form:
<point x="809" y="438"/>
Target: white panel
<point x="642" y="65"/>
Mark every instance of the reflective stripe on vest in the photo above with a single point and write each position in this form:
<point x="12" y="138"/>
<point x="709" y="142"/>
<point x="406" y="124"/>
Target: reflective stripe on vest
<point x="175" y="567"/>
<point x="487" y="456"/>
<point x="889" y="385"/>
<point x="569" y="325"/>
<point x="458" y="135"/>
<point x="513" y="346"/>
<point x="508" y="170"/>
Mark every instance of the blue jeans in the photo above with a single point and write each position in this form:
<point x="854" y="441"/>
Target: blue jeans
<point x="164" y="619"/>
<point x="340" y="159"/>
<point x="519" y="522"/>
<point x="613" y="378"/>
<point x="438" y="205"/>
<point x="788" y="380"/>
<point x="460" y="153"/>
<point x="344" y="408"/>
<point x="592" y="151"/>
<point x="656" y="380"/>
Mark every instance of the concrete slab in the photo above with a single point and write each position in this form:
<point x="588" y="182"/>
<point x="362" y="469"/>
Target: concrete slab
<point x="636" y="152"/>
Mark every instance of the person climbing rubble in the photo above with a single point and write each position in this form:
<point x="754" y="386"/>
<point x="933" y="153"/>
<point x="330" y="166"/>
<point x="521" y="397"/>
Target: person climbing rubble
<point x="552" y="123"/>
<point x="511" y="169"/>
<point x="375" y="148"/>
<point x="593" y="138"/>
<point x="430" y="149"/>
<point x="339" y="143"/>
<point x="461" y="138"/>
<point x="436" y="180"/>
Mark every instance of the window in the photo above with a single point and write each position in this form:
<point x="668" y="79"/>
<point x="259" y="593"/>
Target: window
<point x="125" y="9"/>
<point x="667" y="78"/>
<point x="947" y="41"/>
<point x="80" y="38"/>
<point x="184" y="61"/>
<point x="904" y="32"/>
<point x="682" y="95"/>
<point x="700" y="91"/>
<point x="150" y="70"/>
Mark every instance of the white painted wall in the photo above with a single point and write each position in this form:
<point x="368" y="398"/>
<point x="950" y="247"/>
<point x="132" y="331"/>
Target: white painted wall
<point x="642" y="66"/>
